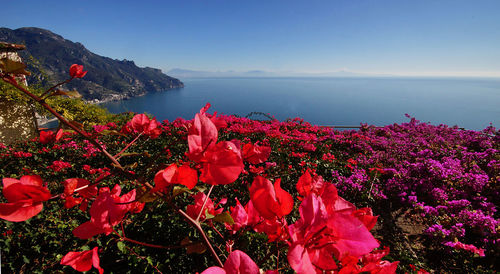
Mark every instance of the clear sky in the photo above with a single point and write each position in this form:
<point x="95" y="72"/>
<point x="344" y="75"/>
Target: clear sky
<point x="425" y="37"/>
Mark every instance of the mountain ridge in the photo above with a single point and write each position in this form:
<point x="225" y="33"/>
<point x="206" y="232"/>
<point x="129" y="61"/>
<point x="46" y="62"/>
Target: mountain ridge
<point x="107" y="78"/>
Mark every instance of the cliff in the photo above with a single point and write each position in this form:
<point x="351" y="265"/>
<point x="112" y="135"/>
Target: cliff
<point x="49" y="57"/>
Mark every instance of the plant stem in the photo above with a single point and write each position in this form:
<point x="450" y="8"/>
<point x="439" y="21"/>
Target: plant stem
<point x="128" y="145"/>
<point x="55" y="86"/>
<point x="204" y="203"/>
<point x="142" y="258"/>
<point x="198" y="227"/>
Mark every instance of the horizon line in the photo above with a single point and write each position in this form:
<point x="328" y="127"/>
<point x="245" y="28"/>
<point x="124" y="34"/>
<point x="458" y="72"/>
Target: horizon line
<point x="335" y="73"/>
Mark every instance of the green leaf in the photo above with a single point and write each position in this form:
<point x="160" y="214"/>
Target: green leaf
<point x="208" y="215"/>
<point x="12" y="67"/>
<point x="131" y="166"/>
<point x="200" y="188"/>
<point x="121" y="246"/>
<point x="193" y="247"/>
<point x="145" y="196"/>
<point x="178" y="190"/>
<point x="224" y="217"/>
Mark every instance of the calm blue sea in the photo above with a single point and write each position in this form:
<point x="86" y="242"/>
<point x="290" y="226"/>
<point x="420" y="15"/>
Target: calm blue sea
<point x="468" y="103"/>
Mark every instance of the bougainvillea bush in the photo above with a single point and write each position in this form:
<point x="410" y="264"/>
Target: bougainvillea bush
<point x="222" y="194"/>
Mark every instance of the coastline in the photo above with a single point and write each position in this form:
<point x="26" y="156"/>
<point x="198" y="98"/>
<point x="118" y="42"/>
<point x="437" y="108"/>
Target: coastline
<point x="43" y="120"/>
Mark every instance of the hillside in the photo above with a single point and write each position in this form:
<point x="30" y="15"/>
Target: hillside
<point x="49" y="56"/>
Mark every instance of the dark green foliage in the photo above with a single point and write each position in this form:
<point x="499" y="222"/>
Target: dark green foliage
<point x="38" y="245"/>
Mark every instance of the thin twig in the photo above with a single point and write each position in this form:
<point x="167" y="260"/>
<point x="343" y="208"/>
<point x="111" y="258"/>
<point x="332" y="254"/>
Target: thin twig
<point x="128" y="145"/>
<point x="143" y="258"/>
<point x="55" y="86"/>
<point x="83" y="187"/>
<point x="198" y="227"/>
<point x="204" y="203"/>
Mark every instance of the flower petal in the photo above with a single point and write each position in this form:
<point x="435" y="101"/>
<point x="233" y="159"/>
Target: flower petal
<point x="19" y="211"/>
<point x="239" y="262"/>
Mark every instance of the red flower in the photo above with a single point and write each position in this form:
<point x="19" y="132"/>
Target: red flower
<point x="199" y="199"/>
<point x="70" y="185"/>
<point x="373" y="262"/>
<point x="275" y="229"/>
<point x="76" y="71"/>
<point x="49" y="136"/>
<point x="270" y="201"/>
<point x="25" y="198"/>
<point x="256" y="154"/>
<point x="218" y="121"/>
<point x="59" y="165"/>
<point x="183" y="175"/>
<point x="308" y="184"/>
<point x="256" y="170"/>
<point x="83" y="260"/>
<point x="240" y="217"/>
<point x="141" y="123"/>
<point x="222" y="164"/>
<point x="106" y="211"/>
<point x="365" y="215"/>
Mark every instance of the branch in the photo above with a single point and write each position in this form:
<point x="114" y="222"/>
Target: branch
<point x="205" y="238"/>
<point x="63" y="120"/>
<point x="55" y="86"/>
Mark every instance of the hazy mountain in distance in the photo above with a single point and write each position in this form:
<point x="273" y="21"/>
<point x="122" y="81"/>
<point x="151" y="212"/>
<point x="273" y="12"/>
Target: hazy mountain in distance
<point x="185" y="73"/>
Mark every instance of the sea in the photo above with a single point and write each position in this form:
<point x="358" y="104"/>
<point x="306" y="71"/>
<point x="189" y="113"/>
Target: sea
<point x="470" y="103"/>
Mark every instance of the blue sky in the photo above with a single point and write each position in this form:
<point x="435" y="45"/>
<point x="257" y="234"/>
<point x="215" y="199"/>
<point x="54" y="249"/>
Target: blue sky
<point x="394" y="37"/>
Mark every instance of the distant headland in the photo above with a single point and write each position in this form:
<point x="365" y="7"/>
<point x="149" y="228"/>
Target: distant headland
<point x="48" y="57"/>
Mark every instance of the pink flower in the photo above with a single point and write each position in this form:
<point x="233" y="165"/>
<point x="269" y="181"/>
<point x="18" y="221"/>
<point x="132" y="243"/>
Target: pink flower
<point x="100" y="128"/>
<point x="318" y="236"/>
<point x="59" y="165"/>
<point x="237" y="262"/>
<point x="467" y="247"/>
